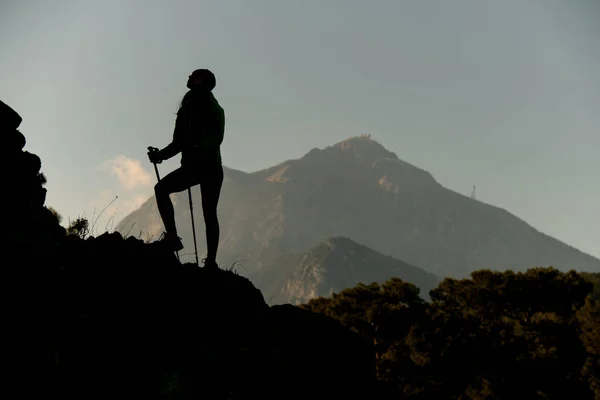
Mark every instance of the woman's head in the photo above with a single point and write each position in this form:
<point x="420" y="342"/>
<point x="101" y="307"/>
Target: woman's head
<point x="202" y="78"/>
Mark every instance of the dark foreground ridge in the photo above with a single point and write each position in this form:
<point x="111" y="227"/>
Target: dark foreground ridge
<point x="131" y="310"/>
<point x="105" y="317"/>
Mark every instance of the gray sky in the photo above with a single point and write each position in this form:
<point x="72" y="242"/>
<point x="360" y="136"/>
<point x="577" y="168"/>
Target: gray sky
<point x="500" y="94"/>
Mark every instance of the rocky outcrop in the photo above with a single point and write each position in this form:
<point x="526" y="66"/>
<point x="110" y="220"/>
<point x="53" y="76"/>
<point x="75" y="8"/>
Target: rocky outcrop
<point x="29" y="241"/>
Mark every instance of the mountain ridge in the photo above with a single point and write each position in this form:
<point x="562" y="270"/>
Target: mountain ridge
<point x="358" y="189"/>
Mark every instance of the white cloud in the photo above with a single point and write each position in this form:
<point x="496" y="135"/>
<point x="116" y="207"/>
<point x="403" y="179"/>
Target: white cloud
<point x="130" y="172"/>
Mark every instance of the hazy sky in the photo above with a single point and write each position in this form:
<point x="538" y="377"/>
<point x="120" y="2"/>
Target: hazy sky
<point x="500" y="94"/>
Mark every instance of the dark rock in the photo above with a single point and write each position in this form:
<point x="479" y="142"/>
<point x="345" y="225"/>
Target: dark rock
<point x="9" y="118"/>
<point x="13" y="141"/>
<point x="30" y="163"/>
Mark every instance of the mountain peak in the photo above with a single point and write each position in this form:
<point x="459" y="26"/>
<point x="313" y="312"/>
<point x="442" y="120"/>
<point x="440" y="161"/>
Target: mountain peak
<point x="358" y="149"/>
<point x="340" y="242"/>
<point x="363" y="146"/>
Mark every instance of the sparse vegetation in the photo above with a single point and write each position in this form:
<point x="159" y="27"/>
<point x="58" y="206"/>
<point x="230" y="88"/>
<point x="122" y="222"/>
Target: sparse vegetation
<point x="79" y="227"/>
<point x="497" y="335"/>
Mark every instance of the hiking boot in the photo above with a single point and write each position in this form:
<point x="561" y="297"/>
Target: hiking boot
<point x="210" y="265"/>
<point x="173" y="242"/>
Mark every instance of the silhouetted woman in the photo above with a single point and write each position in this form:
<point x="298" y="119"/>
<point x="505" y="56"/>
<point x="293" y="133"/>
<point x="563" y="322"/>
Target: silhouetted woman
<point x="198" y="134"/>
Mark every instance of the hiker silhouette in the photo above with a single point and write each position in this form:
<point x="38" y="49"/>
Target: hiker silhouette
<point x="198" y="134"/>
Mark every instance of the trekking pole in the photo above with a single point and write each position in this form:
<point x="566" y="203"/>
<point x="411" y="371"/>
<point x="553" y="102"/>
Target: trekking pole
<point x="150" y="148"/>
<point x="153" y="149"/>
<point x="156" y="170"/>
<point x="193" y="225"/>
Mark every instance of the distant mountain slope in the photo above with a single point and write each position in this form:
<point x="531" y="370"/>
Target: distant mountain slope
<point x="335" y="264"/>
<point x="360" y="190"/>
